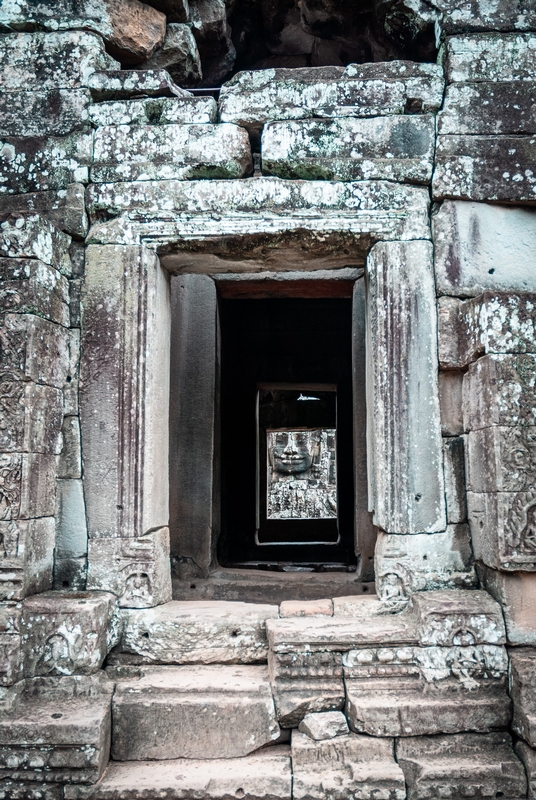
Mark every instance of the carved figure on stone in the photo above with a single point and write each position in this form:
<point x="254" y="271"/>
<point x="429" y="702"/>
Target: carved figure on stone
<point x="393" y="591"/>
<point x="137" y="592"/>
<point x="528" y="534"/>
<point x="56" y="656"/>
<point x="519" y="533"/>
<point x="9" y="539"/>
<point x="302" y="481"/>
<point x="10" y="475"/>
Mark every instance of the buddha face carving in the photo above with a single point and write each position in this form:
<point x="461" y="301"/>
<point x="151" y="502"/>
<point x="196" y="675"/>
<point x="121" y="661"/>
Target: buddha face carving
<point x="290" y="452"/>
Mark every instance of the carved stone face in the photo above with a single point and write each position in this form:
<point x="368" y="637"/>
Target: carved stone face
<point x="290" y="454"/>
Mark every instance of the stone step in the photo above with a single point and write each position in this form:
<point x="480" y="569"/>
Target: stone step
<point x="192" y="712"/>
<point x="263" y="776"/>
<point x="204" y="632"/>
<point x="461" y="766"/>
<point x="57" y="730"/>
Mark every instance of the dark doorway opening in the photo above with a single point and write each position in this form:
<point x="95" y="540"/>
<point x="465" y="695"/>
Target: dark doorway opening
<point x="272" y="352"/>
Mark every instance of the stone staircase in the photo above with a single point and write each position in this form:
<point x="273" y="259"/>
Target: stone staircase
<point x="208" y="699"/>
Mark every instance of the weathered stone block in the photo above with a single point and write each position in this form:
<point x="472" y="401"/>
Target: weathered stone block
<point x="155" y="111"/>
<point x="422" y="562"/>
<point x="65" y="208"/>
<point x="480" y="247"/>
<point x="67" y="633"/>
<point x="70" y="573"/>
<point x="140" y="576"/>
<point x="504" y="15"/>
<point x="359" y="605"/>
<point x="348" y="766"/>
<point x="450" y="402"/>
<point x="406" y="487"/>
<point x="491" y="57"/>
<point x="457" y="618"/>
<point x="10" y="644"/>
<point x="324" y="725"/>
<point x="454" y="467"/>
<point x="522" y="683"/>
<point x="71" y="525"/>
<point x="178" y="55"/>
<point x="71" y="387"/>
<point x="213" y="36"/>
<point x="501" y="460"/>
<point x="516" y="593"/>
<point x="48" y="112"/>
<point x="204" y="632"/>
<point x="51" y="60"/>
<point x="357" y="211"/>
<point x="70" y="460"/>
<point x="306" y="608"/>
<point x="500" y="390"/>
<point x="34" y="349"/>
<point x="40" y="163"/>
<point x="31" y="417"/>
<point x="397" y="148"/>
<point x="18" y="790"/>
<point x="503" y="529"/>
<point x="360" y="90"/>
<point x="261" y="776"/>
<point x="153" y="152"/>
<point x="122" y="84"/>
<point x="29" y="235"/>
<point x="122" y="424"/>
<point x="505" y="107"/>
<point x="28" y="286"/>
<point x="132" y="30"/>
<point x="466" y="765"/>
<point x="528" y="758"/>
<point x="185" y="712"/>
<point x="28" y="486"/>
<point x="466" y="168"/>
<point x="58" y="731"/>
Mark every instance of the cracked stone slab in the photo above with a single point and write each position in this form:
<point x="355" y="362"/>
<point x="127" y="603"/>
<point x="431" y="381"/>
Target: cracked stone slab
<point x="65" y="208"/>
<point x="347" y="766"/>
<point x="27" y="234"/>
<point x="40" y="163"/>
<point x="396" y="148"/>
<point x="186" y="712"/>
<point x="67" y="633"/>
<point x="500" y="390"/>
<point x="324" y="725"/>
<point x="116" y="84"/>
<point x="154" y="111"/>
<point x="29" y="286"/>
<point x="359" y="90"/>
<point x="516" y="593"/>
<point x="57" y="730"/>
<point x="183" y="632"/>
<point x="260" y="776"/>
<point x="63" y="60"/>
<point x="527" y="755"/>
<point x="481" y="247"/>
<point x="468" y="764"/>
<point x="493" y="107"/>
<point x="50" y="112"/>
<point x="183" y="152"/>
<point x="491" y="57"/>
<point x="466" y="168"/>
<point x="34" y="349"/>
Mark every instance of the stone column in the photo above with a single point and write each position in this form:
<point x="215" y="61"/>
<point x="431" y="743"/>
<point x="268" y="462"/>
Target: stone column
<point x="124" y="399"/>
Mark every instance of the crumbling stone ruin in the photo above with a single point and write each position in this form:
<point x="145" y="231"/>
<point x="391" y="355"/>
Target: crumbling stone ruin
<point x="268" y="399"/>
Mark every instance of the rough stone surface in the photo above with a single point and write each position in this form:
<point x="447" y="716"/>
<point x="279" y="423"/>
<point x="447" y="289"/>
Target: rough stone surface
<point x="65" y="208"/>
<point x="155" y="152"/>
<point x="70" y="460"/>
<point x="502" y="529"/>
<point x="499" y="390"/>
<point x="324" y="726"/>
<point x="187" y="712"/>
<point x="528" y="758"/>
<point x="29" y="286"/>
<point x="67" y="633"/>
<point x="57" y="730"/>
<point x="406" y="488"/>
<point x="522" y="683"/>
<point x="499" y="108"/>
<point x="50" y="112"/>
<point x="500" y="459"/>
<point x="122" y="84"/>
<point x="71" y="525"/>
<point x="505" y="15"/>
<point x="125" y="496"/>
<point x="459" y="766"/>
<point x="458" y="618"/>
<point x="349" y="765"/>
<point x="466" y="168"/>
<point x="263" y="776"/>
<point x="132" y="30"/>
<point x="490" y="57"/>
<point x="450" y="401"/>
<point x="11" y="652"/>
<point x="27" y="492"/>
<point x="154" y="111"/>
<point x="63" y="60"/>
<point x="41" y="163"/>
<point x="141" y="576"/>
<point x="29" y="235"/>
<point x="34" y="349"/>
<point x="213" y="36"/>
<point x="481" y="247"/>
<point x="422" y="562"/>
<point x="306" y="608"/>
<point x="31" y="417"/>
<point x="360" y="90"/>
<point x="358" y="605"/>
<point x="516" y="593"/>
<point x="70" y="573"/>
<point x="397" y="148"/>
<point x="183" y="632"/>
<point x="454" y="468"/>
<point x="178" y="55"/>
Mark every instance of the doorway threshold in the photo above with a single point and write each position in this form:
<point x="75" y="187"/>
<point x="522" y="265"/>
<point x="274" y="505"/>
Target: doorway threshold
<point x="262" y="586"/>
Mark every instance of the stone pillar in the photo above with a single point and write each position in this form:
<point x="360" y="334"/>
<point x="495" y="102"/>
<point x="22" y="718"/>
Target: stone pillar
<point x="124" y="399"/>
